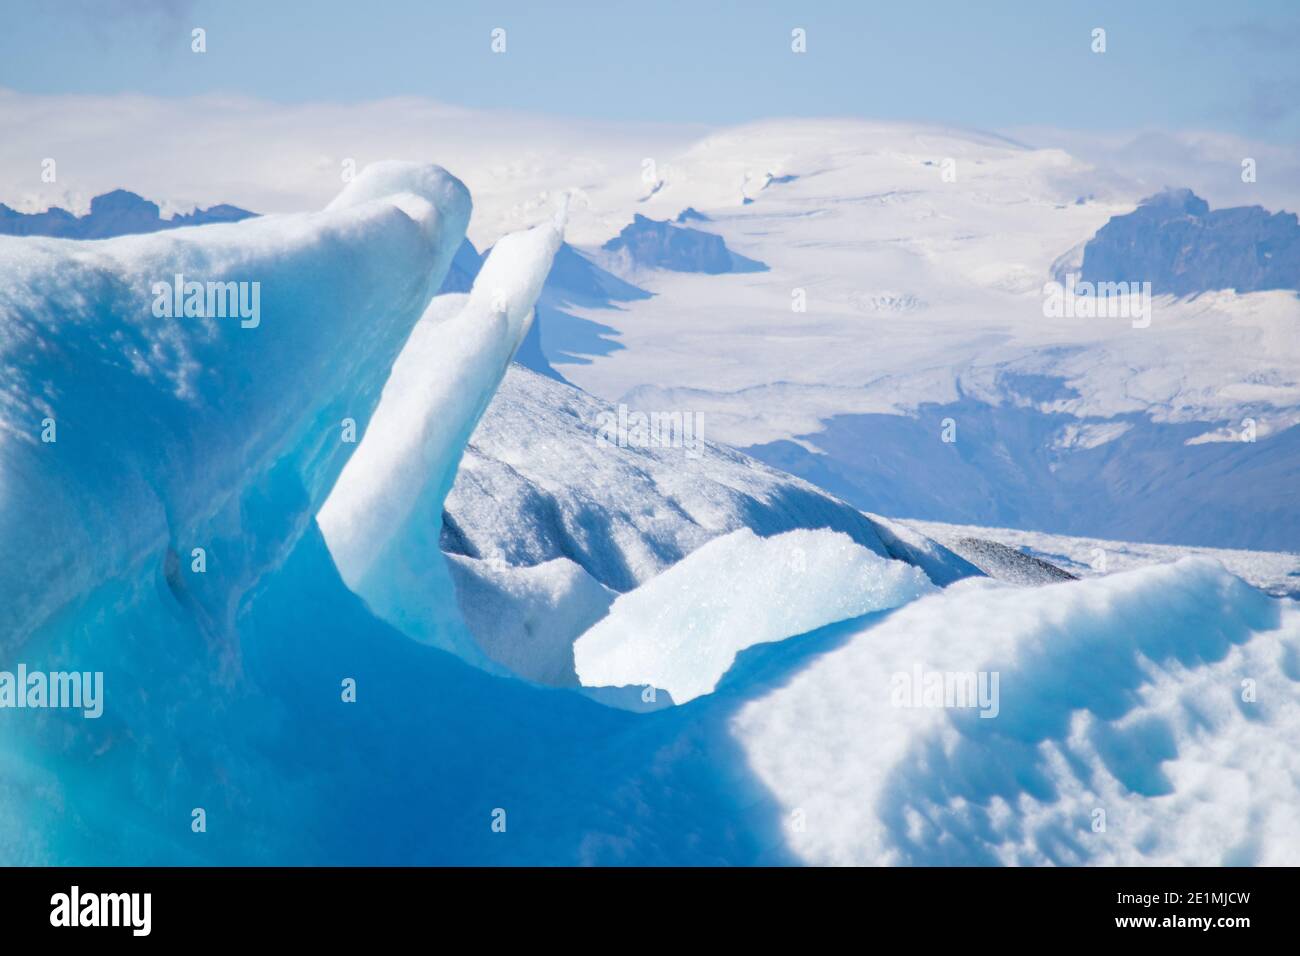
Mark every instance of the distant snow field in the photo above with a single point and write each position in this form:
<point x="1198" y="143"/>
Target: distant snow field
<point x="1277" y="572"/>
<point x="907" y="287"/>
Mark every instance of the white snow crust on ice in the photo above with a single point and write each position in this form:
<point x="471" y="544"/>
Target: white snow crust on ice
<point x="682" y="630"/>
<point x="1147" y="717"/>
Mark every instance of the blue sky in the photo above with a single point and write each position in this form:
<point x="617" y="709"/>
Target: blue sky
<point x="1221" y="66"/>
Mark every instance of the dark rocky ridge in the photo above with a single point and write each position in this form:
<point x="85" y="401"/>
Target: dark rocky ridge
<point x="118" y="213"/>
<point x="1174" y="241"/>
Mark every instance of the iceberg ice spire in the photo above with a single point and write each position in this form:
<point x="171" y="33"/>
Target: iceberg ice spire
<point x="383" y="518"/>
<point x="129" y="438"/>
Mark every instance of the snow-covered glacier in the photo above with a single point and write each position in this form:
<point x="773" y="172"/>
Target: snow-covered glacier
<point x="336" y="651"/>
<point x="899" y="298"/>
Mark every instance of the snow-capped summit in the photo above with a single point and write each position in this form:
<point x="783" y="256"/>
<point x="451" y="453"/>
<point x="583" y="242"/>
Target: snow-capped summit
<point x="691" y="214"/>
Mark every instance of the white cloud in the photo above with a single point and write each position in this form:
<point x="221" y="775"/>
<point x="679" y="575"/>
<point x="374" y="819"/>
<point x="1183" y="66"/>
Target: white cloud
<point x="273" y="157"/>
<point x="279" y="157"/>
<point x="1208" y="163"/>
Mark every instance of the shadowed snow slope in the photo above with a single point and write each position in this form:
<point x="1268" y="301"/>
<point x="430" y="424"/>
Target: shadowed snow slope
<point x="1146" y="717"/>
<point x="681" y="631"/>
<point x="538" y="481"/>
<point x="576" y="283"/>
<point x="526" y="618"/>
<point x="541" y="486"/>
<point x="1007" y="564"/>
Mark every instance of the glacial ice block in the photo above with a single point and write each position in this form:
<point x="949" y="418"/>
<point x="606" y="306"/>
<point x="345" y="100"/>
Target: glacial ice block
<point x="132" y="432"/>
<point x="383" y="519"/>
<point x="681" y="630"/>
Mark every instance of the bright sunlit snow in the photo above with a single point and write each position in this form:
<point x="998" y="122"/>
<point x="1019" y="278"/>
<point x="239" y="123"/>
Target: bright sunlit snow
<point x="682" y="630"/>
<point x="1142" y="718"/>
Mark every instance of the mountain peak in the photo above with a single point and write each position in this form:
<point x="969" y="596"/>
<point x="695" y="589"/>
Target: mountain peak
<point x="1177" y="243"/>
<point x="659" y="244"/>
<point x="122" y="200"/>
<point x="1178" y="200"/>
<point x="119" y="212"/>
